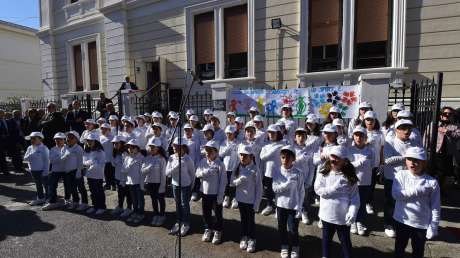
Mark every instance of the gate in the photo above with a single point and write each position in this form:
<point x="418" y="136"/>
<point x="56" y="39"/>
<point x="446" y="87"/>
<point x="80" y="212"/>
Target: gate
<point x="154" y="99"/>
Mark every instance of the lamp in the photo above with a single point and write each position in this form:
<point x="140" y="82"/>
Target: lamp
<point x="276" y="23"/>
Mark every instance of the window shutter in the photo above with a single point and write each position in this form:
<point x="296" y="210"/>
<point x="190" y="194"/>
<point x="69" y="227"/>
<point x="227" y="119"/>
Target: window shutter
<point x="78" y="71"/>
<point x="93" y="73"/>
<point x="372" y="20"/>
<point x="204" y="38"/>
<point x="236" y="29"/>
<point x="324" y="22"/>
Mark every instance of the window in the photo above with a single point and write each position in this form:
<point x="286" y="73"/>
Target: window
<point x="372" y="44"/>
<point x="93" y="73"/>
<point x="205" y="46"/>
<point x="84" y="64"/>
<point x="236" y="41"/>
<point x="325" y="30"/>
<point x="78" y="71"/>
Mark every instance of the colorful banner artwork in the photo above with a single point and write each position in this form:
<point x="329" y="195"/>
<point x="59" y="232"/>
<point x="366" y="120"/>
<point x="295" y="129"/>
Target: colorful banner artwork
<point x="346" y="98"/>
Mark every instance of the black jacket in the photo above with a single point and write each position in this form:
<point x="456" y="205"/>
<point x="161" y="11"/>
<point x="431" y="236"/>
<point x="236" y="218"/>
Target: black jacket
<point x="54" y="123"/>
<point x="73" y="124"/>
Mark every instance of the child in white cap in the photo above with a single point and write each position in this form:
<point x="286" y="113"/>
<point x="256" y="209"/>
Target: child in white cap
<point x="37" y="157"/>
<point x="193" y="143"/>
<point x="229" y="154"/>
<point x="74" y="167"/>
<point x="114" y="124"/>
<point x="359" y="119"/>
<point x="286" y="117"/>
<point x="219" y="134"/>
<point x="91" y="128"/>
<point x="119" y="152"/>
<point x="261" y="133"/>
<point x="132" y="163"/>
<point x="106" y="138"/>
<point x="391" y="117"/>
<point x="336" y="184"/>
<point x="418" y="206"/>
<point x="415" y="132"/>
<point x="342" y="137"/>
<point x="239" y="123"/>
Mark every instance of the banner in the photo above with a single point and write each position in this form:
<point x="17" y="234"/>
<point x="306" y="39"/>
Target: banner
<point x="317" y="100"/>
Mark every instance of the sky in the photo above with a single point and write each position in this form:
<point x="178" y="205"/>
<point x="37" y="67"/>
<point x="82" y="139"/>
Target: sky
<point x="23" y="12"/>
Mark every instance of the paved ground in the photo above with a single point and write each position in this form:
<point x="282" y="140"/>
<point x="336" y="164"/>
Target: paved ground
<point x="29" y="232"/>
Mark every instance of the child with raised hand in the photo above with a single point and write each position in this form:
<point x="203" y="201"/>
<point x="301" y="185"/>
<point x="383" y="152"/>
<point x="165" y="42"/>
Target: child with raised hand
<point x="154" y="171"/>
<point x="336" y="184"/>
<point x="212" y="174"/>
<point x="74" y="167"/>
<point x="37" y="157"/>
<point x="288" y="186"/>
<point x="418" y="209"/>
<point x="186" y="174"/>
<point x="362" y="158"/>
<point x="229" y="153"/>
<point x="208" y="133"/>
<point x="132" y="163"/>
<point x="119" y="151"/>
<point x="248" y="182"/>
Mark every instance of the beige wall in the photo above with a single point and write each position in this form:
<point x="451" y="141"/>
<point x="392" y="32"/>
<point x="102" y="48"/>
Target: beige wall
<point x="433" y="43"/>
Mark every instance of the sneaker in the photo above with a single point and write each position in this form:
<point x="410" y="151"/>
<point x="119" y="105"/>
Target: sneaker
<point x="207" y="235"/>
<point x="389" y="231"/>
<point x="50" y="206"/>
<point x="316" y="201"/>
<point x="126" y="213"/>
<point x="295" y="252"/>
<point x="131" y="218"/>
<point x="37" y="202"/>
<point x="175" y="229"/>
<point x="320" y="224"/>
<point x="99" y="211"/>
<point x="369" y="209"/>
<point x="195" y="197"/>
<point x="251" y="246"/>
<point x="160" y="221"/>
<point x="138" y="218"/>
<point x="184" y="230"/>
<point x="234" y="204"/>
<point x="361" y="229"/>
<point x="107" y="187"/>
<point x="217" y="239"/>
<point x="71" y="206"/>
<point x="304" y="217"/>
<point x="353" y="228"/>
<point x="284" y="251"/>
<point x="244" y="243"/>
<point x="117" y="211"/>
<point x="90" y="210"/>
<point x="154" y="221"/>
<point x="226" y="202"/>
<point x="267" y="211"/>
<point x="82" y="207"/>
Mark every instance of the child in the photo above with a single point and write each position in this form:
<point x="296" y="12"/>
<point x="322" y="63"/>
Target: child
<point x="362" y="158"/>
<point x="288" y="186"/>
<point x="363" y="108"/>
<point x="261" y="134"/>
<point x="58" y="158"/>
<point x="229" y="153"/>
<point x="119" y="150"/>
<point x="132" y="163"/>
<point x="94" y="162"/>
<point x="193" y="143"/>
<point x="106" y="141"/>
<point x="219" y="134"/>
<point x="286" y="113"/>
<point x="154" y="171"/>
<point x="418" y="209"/>
<point x="74" y="167"/>
<point x="269" y="157"/>
<point x="336" y="184"/>
<point x="391" y="119"/>
<point x="114" y="126"/>
<point x="186" y="174"/>
<point x="91" y="128"/>
<point x="211" y="171"/>
<point x="208" y="133"/>
<point x="37" y="156"/>
<point x="247" y="180"/>
<point x="342" y="137"/>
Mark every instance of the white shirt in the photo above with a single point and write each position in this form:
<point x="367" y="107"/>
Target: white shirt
<point x="132" y="168"/>
<point x="219" y="135"/>
<point x="288" y="185"/>
<point x="393" y="152"/>
<point x="213" y="178"/>
<point x="58" y="159"/>
<point x="363" y="161"/>
<point x="376" y="141"/>
<point x="229" y="153"/>
<point x="117" y="163"/>
<point x="106" y="142"/>
<point x="304" y="161"/>
<point x="74" y="159"/>
<point x="194" y="149"/>
<point x="187" y="170"/>
<point x="248" y="185"/>
<point x="94" y="161"/>
<point x="290" y="127"/>
<point x="37" y="156"/>
<point x="270" y="158"/>
<point x="337" y="197"/>
<point x="154" y="170"/>
<point x="417" y="199"/>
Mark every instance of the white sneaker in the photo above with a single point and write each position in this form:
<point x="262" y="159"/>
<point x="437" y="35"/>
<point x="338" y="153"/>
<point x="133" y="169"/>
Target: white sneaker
<point x="126" y="213"/>
<point x="217" y="239"/>
<point x="117" y="211"/>
<point x="284" y="251"/>
<point x="226" y="202"/>
<point x="184" y="230"/>
<point x="175" y="229"/>
<point x="50" y="206"/>
<point x="195" y="197"/>
<point x="207" y="235"/>
<point x="82" y="207"/>
<point x="37" y="202"/>
<point x="320" y="224"/>
<point x="244" y="243"/>
<point x="353" y="228"/>
<point x="234" y="204"/>
<point x="369" y="209"/>
<point x="160" y="221"/>
<point x="154" y="221"/>
<point x="99" y="211"/>
<point x="90" y="210"/>
<point x="316" y="201"/>
<point x="361" y="229"/>
<point x="295" y="252"/>
<point x="389" y="231"/>
<point x="267" y="211"/>
<point x="251" y="246"/>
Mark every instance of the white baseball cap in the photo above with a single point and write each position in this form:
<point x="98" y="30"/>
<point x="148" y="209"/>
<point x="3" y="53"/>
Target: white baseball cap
<point x="273" y="128"/>
<point x="173" y="115"/>
<point x="101" y="119"/>
<point x="253" y="109"/>
<point x="190" y="112"/>
<point x="212" y="144"/>
<point x="158" y="125"/>
<point x="300" y="129"/>
<point x="245" y="149"/>
<point x="403" y="122"/>
<point x="365" y="104"/>
<point x="231" y="114"/>
<point x="397" y="106"/>
<point x="207" y="112"/>
<point x="288" y="148"/>
<point x="360" y="129"/>
<point x="338" y="151"/>
<point x="329" y="128"/>
<point x="119" y="138"/>
<point x="124" y="118"/>
<point x="334" y="109"/>
<point x="194" y="118"/>
<point x="188" y="126"/>
<point x="239" y="120"/>
<point x="155" y="142"/>
<point x="215" y="117"/>
<point x="140" y="117"/>
<point x="207" y="127"/>
<point x="286" y="106"/>
<point x="133" y="142"/>
<point x="59" y="136"/>
<point x="249" y="124"/>
<point x="129" y="120"/>
<point x="90" y="121"/>
<point x="183" y="141"/>
<point x="113" y="117"/>
<point x="415" y="153"/>
<point x="404" y="113"/>
<point x="74" y="133"/>
<point x="230" y="129"/>
<point x="35" y="134"/>
<point x="258" y="118"/>
<point x="156" y="114"/>
<point x="312" y="118"/>
<point x="370" y="114"/>
<point x="92" y="137"/>
<point x="106" y="126"/>
<point x="338" y="122"/>
<point x="147" y="115"/>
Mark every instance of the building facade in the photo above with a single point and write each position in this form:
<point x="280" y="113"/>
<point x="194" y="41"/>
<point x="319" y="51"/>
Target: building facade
<point x="88" y="46"/>
<point x="19" y="62"/>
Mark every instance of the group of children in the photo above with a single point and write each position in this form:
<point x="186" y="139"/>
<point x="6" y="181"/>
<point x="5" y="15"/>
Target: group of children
<point x="246" y="166"/>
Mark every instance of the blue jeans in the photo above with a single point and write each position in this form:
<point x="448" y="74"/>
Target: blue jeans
<point x="389" y="203"/>
<point x="288" y="226"/>
<point x="182" y="200"/>
<point x="365" y="191"/>
<point x="137" y="195"/>
<point x="41" y="182"/>
<point x="343" y="232"/>
<point x="96" y="189"/>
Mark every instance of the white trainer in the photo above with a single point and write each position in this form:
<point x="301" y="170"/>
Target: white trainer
<point x="217" y="239"/>
<point x="207" y="235"/>
<point x="244" y="243"/>
<point x="369" y="209"/>
<point x="295" y="252"/>
<point x="389" y="231"/>
<point x="284" y="251"/>
<point x="361" y="229"/>
<point x="37" y="202"/>
<point x="251" y="246"/>
<point x="353" y="228"/>
<point x="267" y="211"/>
<point x="234" y="204"/>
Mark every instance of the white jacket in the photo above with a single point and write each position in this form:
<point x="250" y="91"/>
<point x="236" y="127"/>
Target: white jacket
<point x="106" y="142"/>
<point x="393" y="153"/>
<point x="37" y="156"/>
<point x="74" y="160"/>
<point x="58" y="159"/>
<point x="288" y="185"/>
<point x="270" y="158"/>
<point x="376" y="141"/>
<point x="117" y="163"/>
<point x="154" y="171"/>
<point x="363" y="161"/>
<point x="213" y="178"/>
<point x="94" y="161"/>
<point x="248" y="185"/>
<point x="229" y="153"/>
<point x="132" y="168"/>
<point x="304" y="161"/>
<point x="187" y="170"/>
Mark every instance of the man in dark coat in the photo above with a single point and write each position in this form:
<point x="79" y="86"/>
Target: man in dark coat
<point x="128" y="85"/>
<point x="53" y="123"/>
<point x="4" y="135"/>
<point x="16" y="139"/>
<point x="75" y="119"/>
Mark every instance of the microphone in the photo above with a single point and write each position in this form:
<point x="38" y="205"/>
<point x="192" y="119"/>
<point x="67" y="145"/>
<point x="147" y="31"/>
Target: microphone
<point x="195" y="77"/>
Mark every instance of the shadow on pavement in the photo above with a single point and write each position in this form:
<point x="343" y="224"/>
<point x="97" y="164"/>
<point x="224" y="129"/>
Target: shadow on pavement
<point x="16" y="194"/>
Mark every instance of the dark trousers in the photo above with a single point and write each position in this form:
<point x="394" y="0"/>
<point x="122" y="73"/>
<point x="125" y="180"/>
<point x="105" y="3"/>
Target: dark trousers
<point x="80" y="189"/>
<point x="109" y="174"/>
<point x="72" y="185"/>
<point x="137" y="195"/>
<point x="158" y="199"/>
<point x="229" y="190"/>
<point x="288" y="226"/>
<point x="268" y="193"/>
<point x="208" y="205"/>
<point x="54" y="178"/>
<point x="417" y="237"/>
<point x="41" y="183"/>
<point x="373" y="184"/>
<point x="343" y="232"/>
<point x="365" y="191"/>
<point x="182" y="198"/>
<point x="248" y="224"/>
<point x="389" y="203"/>
<point x="308" y="200"/>
<point x="96" y="189"/>
<point x="15" y="154"/>
<point x="3" y="165"/>
<point x="123" y="192"/>
<point x="196" y="186"/>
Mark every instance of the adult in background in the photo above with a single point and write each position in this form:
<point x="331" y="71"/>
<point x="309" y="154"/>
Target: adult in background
<point x="4" y="135"/>
<point x="16" y="139"/>
<point x="52" y="123"/>
<point x="109" y="111"/>
<point x="75" y="119"/>
<point x="128" y="85"/>
<point x="102" y="103"/>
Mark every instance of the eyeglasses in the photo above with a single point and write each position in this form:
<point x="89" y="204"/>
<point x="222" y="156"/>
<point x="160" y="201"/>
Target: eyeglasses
<point x="446" y="113"/>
